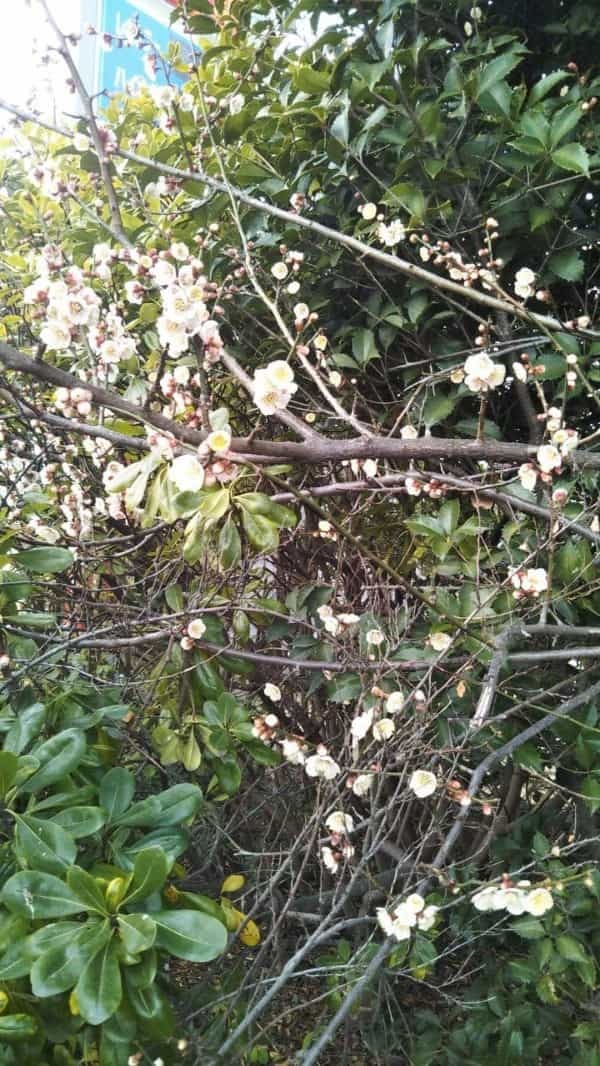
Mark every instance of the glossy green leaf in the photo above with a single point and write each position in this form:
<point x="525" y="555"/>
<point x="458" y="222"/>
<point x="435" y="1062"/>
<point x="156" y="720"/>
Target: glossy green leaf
<point x="117" y="789"/>
<point x="42" y="845"/>
<point x="190" y="935"/>
<point x="34" y="895"/>
<point x="57" y="758"/>
<point x="46" y="560"/>
<point x="80" y="821"/>
<point x="150" y="871"/>
<point x="137" y="931"/>
<point x="87" y="889"/>
<point x="99" y="989"/>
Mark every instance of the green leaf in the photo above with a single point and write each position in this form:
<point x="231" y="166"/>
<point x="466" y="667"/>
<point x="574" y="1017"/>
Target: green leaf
<point x="261" y="532"/>
<point x="178" y="804"/>
<point x="43" y="846"/>
<point x="55" y="935"/>
<point x="80" y="821"/>
<point x="528" y="928"/>
<point x="87" y="889"/>
<point x="230" y="545"/>
<point x="308" y="80"/>
<point x="26" y="728"/>
<point x="57" y="758"/>
<point x="35" y="894"/>
<point x="546" y="84"/>
<point x="571" y="949"/>
<point x="190" y="935"/>
<point x="17" y="1027"/>
<point x="567" y="265"/>
<point x="9" y="764"/>
<point x="17" y="961"/>
<point x="137" y="931"/>
<point x="99" y="989"/>
<point x="340" y="127"/>
<point x="59" y="968"/>
<point x="497" y="69"/>
<point x="229" y="774"/>
<point x="117" y="789"/>
<point x="590" y="790"/>
<point x="45" y="560"/>
<point x="142" y="813"/>
<point x="448" y="516"/>
<point x="150" y="871"/>
<point x="572" y="157"/>
<point x="437" y="408"/>
<point x="364" y="346"/>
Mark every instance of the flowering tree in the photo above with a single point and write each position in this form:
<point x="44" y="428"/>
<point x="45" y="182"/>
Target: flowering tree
<point x="300" y="521"/>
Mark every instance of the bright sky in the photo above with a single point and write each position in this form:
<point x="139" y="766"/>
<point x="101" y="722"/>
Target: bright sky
<point x="22" y="23"/>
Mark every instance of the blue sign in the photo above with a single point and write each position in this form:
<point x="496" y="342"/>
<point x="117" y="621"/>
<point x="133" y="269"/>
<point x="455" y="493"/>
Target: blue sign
<point x="118" y="65"/>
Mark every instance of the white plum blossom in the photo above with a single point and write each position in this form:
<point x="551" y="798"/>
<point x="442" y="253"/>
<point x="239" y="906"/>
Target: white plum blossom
<point x="56" y="336"/>
<point x="439" y="641"/>
<point x="219" y="440"/>
<point x="538" y="902"/>
<point x="180" y="251"/>
<point x="272" y="692"/>
<point x="274" y="386"/>
<point x="532" y="582"/>
<point x="187" y="473"/>
<point x="292" y="752"/>
<point x="340" y="822"/>
<point x="279" y="271"/>
<point x="362" y="784"/>
<point x="528" y="476"/>
<point x="511" y="899"/>
<point x="391" y="233"/>
<point x="426" y="919"/>
<point x="549" y="458"/>
<point x="196" y="629"/>
<point x="368" y="211"/>
<point x="482" y="373"/>
<point x="423" y="783"/>
<point x="330" y="859"/>
<point x="409" y="432"/>
<point x="321" y="766"/>
<point x="485" y="899"/>
<point x="519" y="372"/>
<point x="395" y="702"/>
<point x="361" y="724"/>
<point x="384" y="729"/>
<point x="525" y="283"/>
<point x="515" y="899"/>
<point x="374" y="637"/>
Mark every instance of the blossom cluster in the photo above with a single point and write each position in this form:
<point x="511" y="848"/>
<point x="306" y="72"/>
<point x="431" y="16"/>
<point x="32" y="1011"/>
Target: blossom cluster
<point x="67" y="304"/>
<point x="516" y="899"/>
<point x="413" y="912"/>
<point x="336" y="624"/>
<point x="340" y="825"/>
<point x="273" y="387"/>
<point x="530" y="582"/>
